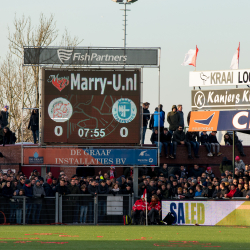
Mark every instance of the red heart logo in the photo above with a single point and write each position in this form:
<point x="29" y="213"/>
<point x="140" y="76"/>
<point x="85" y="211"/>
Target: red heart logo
<point x="61" y="83"/>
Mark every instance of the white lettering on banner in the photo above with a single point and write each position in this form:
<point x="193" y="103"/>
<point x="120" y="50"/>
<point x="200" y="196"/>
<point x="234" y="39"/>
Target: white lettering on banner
<point x="99" y="58"/>
<point x="222" y="77"/>
<point x="236" y="120"/>
<point x="96" y="83"/>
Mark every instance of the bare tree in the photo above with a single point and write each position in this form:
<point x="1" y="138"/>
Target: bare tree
<point x="26" y="34"/>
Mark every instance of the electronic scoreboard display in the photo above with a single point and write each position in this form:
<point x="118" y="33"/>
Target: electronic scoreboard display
<point x="91" y="106"/>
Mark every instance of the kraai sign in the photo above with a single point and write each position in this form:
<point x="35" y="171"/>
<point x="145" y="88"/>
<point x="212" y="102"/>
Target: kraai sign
<point x="220" y="99"/>
<point x="219" y="78"/>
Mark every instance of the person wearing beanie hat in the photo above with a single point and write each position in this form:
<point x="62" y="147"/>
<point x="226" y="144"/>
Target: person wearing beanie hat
<point x="27" y="182"/>
<point x="239" y="164"/>
<point x="49" y="181"/>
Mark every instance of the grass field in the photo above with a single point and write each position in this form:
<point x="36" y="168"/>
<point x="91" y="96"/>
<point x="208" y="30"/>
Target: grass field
<point x="123" y="237"/>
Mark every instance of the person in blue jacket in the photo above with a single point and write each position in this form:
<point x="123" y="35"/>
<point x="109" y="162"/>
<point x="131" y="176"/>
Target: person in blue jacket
<point x="160" y="113"/>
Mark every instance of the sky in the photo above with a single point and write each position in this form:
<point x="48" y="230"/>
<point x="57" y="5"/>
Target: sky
<point x="216" y="27"/>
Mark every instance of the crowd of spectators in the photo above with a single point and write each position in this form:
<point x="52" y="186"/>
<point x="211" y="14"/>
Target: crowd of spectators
<point x="157" y="183"/>
<point x="175" y="135"/>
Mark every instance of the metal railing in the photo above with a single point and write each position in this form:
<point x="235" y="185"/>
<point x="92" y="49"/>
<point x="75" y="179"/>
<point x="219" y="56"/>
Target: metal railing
<point x="65" y="209"/>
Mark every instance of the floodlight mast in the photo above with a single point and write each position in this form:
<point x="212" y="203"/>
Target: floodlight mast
<point x="125" y="2"/>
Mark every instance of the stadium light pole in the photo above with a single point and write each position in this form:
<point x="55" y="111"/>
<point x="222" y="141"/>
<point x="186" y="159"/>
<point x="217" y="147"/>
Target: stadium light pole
<point x="125" y="2"/>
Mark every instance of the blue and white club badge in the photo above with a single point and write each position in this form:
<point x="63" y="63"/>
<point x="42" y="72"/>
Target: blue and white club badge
<point x="124" y="110"/>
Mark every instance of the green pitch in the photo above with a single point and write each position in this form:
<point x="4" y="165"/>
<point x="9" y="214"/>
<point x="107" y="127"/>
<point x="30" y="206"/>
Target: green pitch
<point x="123" y="237"/>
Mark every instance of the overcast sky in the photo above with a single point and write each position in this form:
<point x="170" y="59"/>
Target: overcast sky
<point x="216" y="27"/>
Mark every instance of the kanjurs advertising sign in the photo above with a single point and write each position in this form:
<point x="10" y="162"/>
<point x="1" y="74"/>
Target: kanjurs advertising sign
<point x="83" y="156"/>
<point x="220" y="99"/>
<point x="208" y="213"/>
<point x="219" y="120"/>
<point x="91" y="106"/>
<point x="219" y="78"/>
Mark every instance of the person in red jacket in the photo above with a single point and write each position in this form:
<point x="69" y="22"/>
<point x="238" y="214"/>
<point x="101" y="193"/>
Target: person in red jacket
<point x="154" y="208"/>
<point x="139" y="209"/>
<point x="231" y="193"/>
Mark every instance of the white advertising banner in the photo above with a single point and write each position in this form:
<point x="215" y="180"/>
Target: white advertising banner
<point x="219" y="78"/>
<point x="209" y="212"/>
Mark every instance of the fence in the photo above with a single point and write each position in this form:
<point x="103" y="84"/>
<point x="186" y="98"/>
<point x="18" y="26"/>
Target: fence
<point x="66" y="209"/>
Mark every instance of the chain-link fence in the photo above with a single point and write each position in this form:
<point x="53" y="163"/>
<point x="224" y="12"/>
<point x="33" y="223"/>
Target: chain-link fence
<point x="65" y="209"/>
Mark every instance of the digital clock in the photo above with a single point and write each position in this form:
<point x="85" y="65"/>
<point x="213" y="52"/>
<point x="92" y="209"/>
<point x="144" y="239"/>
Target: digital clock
<point x="91" y="106"/>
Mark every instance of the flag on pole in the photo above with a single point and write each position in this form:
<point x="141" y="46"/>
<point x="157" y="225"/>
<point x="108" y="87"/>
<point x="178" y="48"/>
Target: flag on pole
<point x="235" y="60"/>
<point x="190" y="57"/>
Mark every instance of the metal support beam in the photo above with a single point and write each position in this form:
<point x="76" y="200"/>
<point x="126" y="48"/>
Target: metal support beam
<point x="43" y="172"/>
<point x="135" y="180"/>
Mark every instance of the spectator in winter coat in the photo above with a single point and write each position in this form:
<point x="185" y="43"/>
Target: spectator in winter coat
<point x="245" y="190"/>
<point x="196" y="171"/>
<point x="205" y="141"/>
<point x="154" y="139"/>
<point x="154" y="208"/>
<point x="179" y="138"/>
<point x="226" y="165"/>
<point x="194" y="140"/>
<point x="231" y="193"/>
<point x="214" y="143"/>
<point x="112" y="172"/>
<point x="4" y="115"/>
<point x="49" y="190"/>
<point x="162" y="118"/>
<point x="8" y="137"/>
<point x="62" y="189"/>
<point x="102" y="200"/>
<point x="239" y="164"/>
<point x="166" y="141"/>
<point x="139" y="209"/>
<point x="229" y="141"/>
<point x="164" y="170"/>
<point x="179" y="110"/>
<point x="209" y="172"/>
<point x="39" y="194"/>
<point x="173" y="119"/>
<point x="34" y="124"/>
<point x="28" y="190"/>
<point x="198" y="191"/>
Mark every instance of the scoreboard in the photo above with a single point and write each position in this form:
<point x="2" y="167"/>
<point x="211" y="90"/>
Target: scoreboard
<point x="91" y="106"/>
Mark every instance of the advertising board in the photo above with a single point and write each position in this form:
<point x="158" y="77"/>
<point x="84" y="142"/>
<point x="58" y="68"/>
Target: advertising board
<point x="209" y="212"/>
<point x="220" y="99"/>
<point x="88" y="56"/>
<point x="233" y="120"/>
<point x="91" y="106"/>
<point x="73" y="156"/>
<point x="219" y="78"/>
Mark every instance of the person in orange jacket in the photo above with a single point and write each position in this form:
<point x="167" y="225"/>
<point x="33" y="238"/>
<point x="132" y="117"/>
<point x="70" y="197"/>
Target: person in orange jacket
<point x="139" y="209"/>
<point x="154" y="208"/>
<point x="231" y="193"/>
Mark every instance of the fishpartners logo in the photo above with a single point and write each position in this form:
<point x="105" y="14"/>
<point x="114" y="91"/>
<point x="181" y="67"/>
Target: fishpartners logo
<point x="64" y="54"/>
<point x="124" y="110"/>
